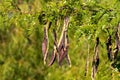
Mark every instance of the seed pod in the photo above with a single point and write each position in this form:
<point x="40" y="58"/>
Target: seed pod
<point x="53" y="58"/>
<point x="95" y="62"/>
<point x="62" y="49"/>
<point x="67" y="47"/>
<point x="115" y="52"/>
<point x="109" y="48"/>
<point x="56" y="44"/>
<point x="55" y="50"/>
<point x="93" y="70"/>
<point x="64" y="44"/>
<point x="96" y="58"/>
<point x="62" y="55"/>
<point x="44" y="45"/>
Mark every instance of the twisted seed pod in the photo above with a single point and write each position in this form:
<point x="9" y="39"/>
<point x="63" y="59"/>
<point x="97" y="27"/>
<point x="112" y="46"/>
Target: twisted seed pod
<point x="95" y="62"/>
<point x="64" y="44"/>
<point x="45" y="43"/>
<point x="109" y="48"/>
<point x="61" y="48"/>
<point x="115" y="52"/>
<point x="55" y="50"/>
<point x="67" y="47"/>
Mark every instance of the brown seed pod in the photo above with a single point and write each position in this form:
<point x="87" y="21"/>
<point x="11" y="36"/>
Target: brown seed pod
<point x="55" y="50"/>
<point x="53" y="58"/>
<point x="64" y="49"/>
<point x="95" y="62"/>
<point x="61" y="48"/>
<point x="44" y="45"/>
<point x="115" y="52"/>
<point x="64" y="43"/>
<point x="109" y="48"/>
<point x="67" y="47"/>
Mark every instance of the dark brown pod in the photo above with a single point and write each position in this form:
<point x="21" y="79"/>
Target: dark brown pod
<point x="53" y="58"/>
<point x="95" y="62"/>
<point x="109" y="47"/>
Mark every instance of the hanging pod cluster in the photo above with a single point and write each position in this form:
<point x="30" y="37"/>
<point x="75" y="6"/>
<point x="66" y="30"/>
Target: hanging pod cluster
<point x="114" y="50"/>
<point x="112" y="54"/>
<point x="95" y="60"/>
<point x="60" y="47"/>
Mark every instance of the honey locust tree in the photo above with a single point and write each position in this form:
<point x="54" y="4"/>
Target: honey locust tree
<point x="90" y="23"/>
<point x="88" y="20"/>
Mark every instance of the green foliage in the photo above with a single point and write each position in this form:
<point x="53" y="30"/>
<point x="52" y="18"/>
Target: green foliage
<point x="21" y="35"/>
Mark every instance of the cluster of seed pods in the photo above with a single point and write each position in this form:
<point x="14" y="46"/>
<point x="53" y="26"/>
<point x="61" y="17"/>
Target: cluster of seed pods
<point x="111" y="53"/>
<point x="60" y="47"/>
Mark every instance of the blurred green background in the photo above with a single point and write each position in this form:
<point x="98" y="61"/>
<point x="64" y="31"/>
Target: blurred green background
<point x="21" y="36"/>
